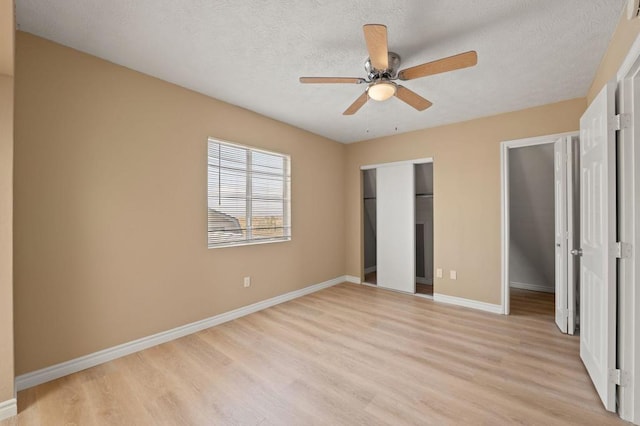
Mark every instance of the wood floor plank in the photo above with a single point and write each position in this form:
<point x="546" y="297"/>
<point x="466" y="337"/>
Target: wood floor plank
<point x="347" y="355"/>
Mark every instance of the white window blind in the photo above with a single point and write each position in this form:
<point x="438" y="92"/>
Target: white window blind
<point x="248" y="195"/>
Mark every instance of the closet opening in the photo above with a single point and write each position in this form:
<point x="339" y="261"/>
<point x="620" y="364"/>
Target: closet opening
<point x="423" y="177"/>
<point x="397" y="226"/>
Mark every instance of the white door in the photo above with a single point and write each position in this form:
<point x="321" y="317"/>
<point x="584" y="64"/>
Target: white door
<point x="396" y="230"/>
<point x="597" y="236"/>
<point x="572" y="209"/>
<point x="560" y="193"/>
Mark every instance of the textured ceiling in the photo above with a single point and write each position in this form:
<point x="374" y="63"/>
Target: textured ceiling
<point x="250" y="53"/>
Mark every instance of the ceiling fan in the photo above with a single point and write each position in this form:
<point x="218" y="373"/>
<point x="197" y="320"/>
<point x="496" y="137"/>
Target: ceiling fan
<point x="382" y="71"/>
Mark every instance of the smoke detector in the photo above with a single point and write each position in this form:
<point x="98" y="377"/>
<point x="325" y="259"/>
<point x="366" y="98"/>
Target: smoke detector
<point x="633" y="9"/>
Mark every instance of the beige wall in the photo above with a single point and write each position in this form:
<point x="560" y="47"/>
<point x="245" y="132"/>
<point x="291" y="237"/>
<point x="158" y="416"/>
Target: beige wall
<point x="6" y="239"/>
<point x="7" y="27"/>
<point x="466" y="190"/>
<point x="6" y="200"/>
<point x="621" y="41"/>
<point x="110" y="207"/>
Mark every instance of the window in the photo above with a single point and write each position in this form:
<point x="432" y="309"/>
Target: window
<point x="248" y="195"/>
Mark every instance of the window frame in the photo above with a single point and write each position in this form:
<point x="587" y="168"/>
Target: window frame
<point x="286" y="198"/>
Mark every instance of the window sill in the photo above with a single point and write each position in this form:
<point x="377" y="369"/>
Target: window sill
<point x="250" y="243"/>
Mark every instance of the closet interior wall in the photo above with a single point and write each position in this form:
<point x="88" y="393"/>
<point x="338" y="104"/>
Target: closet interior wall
<point x="532" y="226"/>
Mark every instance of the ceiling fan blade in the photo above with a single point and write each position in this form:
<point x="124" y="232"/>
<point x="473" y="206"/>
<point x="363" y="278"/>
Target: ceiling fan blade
<point x="323" y="80"/>
<point x="412" y="98"/>
<point x="462" y="60"/>
<point x="376" y="37"/>
<point x="354" y="107"/>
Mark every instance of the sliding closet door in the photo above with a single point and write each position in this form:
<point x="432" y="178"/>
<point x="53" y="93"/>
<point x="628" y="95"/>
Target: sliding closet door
<point x="395" y="223"/>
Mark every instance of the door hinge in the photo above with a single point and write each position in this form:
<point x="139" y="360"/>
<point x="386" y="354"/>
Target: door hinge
<point x="621" y="121"/>
<point x="619" y="377"/>
<point x="623" y="250"/>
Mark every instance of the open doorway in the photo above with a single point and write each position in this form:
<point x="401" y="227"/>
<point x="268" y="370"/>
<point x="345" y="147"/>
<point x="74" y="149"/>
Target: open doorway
<point x="369" y="225"/>
<point x="397" y="226"/>
<point x="532" y="230"/>
<point x="540" y="228"/>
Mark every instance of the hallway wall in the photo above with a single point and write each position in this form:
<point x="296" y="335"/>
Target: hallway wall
<point x="6" y="199"/>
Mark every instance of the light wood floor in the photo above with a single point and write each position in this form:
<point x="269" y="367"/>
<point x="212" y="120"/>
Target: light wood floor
<point x="348" y="355"/>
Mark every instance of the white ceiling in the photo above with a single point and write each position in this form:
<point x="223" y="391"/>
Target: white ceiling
<point x="250" y="53"/>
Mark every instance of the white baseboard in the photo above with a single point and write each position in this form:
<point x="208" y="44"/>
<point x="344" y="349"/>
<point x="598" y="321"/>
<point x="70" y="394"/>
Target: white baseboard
<point x="53" y="372"/>
<point x="352" y="279"/>
<point x="8" y="408"/>
<point x="468" y="303"/>
<point x="370" y="269"/>
<point x="533" y="287"/>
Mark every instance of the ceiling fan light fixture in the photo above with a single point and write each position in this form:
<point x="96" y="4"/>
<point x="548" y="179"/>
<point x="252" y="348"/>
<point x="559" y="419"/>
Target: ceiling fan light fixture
<point x="381" y="90"/>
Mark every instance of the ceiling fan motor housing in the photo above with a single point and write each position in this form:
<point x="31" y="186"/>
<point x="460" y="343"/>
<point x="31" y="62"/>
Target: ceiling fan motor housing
<point x="391" y="72"/>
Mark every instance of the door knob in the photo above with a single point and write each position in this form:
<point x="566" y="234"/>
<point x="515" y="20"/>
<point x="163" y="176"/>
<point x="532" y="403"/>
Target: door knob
<point x="576" y="252"/>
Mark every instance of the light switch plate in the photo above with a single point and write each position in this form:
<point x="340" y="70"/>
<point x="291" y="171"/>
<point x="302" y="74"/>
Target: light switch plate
<point x="453" y="275"/>
<point x="439" y="273"/>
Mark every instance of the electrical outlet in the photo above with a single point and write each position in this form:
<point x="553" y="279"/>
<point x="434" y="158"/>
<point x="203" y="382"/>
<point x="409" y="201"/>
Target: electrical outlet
<point x="247" y="281"/>
<point x="439" y="273"/>
<point x="453" y="275"/>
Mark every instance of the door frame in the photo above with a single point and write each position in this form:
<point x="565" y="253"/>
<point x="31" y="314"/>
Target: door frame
<point x="628" y="79"/>
<point x="504" y="202"/>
